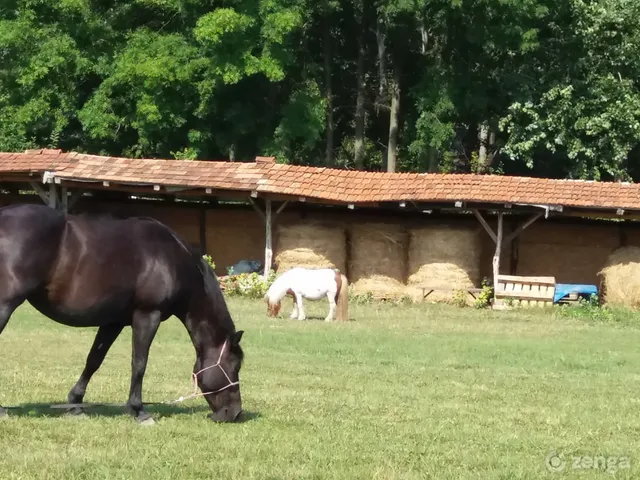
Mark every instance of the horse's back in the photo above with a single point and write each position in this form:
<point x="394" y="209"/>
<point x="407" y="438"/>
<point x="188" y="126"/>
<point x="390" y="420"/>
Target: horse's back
<point x="29" y="240"/>
<point x="86" y="270"/>
<point x="117" y="265"/>
<point x="310" y="283"/>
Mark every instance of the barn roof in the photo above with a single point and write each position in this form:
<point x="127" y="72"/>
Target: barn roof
<point x="266" y="177"/>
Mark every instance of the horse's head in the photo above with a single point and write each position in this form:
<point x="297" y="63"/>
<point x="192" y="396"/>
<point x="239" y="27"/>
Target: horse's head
<point x="273" y="309"/>
<point x="218" y="376"/>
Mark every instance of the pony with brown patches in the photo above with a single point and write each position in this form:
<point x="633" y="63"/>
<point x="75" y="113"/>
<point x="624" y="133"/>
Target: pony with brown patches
<point x="84" y="271"/>
<point x="311" y="284"/>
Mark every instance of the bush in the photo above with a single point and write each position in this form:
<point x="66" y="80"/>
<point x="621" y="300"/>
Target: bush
<point x="485" y="296"/>
<point x="249" y="285"/>
<point x="209" y="260"/>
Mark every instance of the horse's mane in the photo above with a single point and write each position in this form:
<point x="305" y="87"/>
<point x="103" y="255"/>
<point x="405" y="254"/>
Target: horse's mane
<point x="211" y="285"/>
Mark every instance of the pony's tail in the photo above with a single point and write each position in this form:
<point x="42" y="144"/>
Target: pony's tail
<point x="342" y="300"/>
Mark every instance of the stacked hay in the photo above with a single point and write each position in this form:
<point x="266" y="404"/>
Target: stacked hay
<point x="311" y="245"/>
<point x="443" y="257"/>
<point x="378" y="259"/>
<point x="621" y="277"/>
<point x="570" y="253"/>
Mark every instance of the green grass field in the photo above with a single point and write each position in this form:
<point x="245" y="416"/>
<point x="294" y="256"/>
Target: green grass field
<point x="400" y="392"/>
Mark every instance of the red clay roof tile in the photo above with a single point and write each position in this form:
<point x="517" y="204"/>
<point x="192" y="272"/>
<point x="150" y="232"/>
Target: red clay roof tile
<point x="348" y="186"/>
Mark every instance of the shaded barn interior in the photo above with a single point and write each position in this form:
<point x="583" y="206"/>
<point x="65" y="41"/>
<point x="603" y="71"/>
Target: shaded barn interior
<point x="381" y="251"/>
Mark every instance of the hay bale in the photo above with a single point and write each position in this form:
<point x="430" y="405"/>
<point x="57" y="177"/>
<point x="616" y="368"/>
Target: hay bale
<point x="621" y="277"/>
<point x="443" y="257"/>
<point x="378" y="259"/>
<point x="311" y="245"/>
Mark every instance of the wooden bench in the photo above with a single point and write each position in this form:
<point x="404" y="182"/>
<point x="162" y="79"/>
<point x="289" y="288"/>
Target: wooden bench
<point x="426" y="291"/>
<point x="524" y="291"/>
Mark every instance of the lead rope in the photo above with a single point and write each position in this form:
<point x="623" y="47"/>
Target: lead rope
<point x="195" y="380"/>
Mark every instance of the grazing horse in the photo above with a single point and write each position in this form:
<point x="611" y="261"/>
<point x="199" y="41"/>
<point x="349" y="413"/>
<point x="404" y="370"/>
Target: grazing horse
<point x="312" y="284"/>
<point x="84" y="271"/>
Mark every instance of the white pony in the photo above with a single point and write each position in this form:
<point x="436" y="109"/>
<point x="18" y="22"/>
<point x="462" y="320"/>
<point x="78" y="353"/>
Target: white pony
<point x="312" y="284"/>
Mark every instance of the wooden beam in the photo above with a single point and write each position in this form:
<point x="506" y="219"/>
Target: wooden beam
<point x="268" y="251"/>
<point x="521" y="228"/>
<point x="496" y="256"/>
<point x="484" y="223"/>
<point x="281" y="207"/>
<point x="42" y="193"/>
<point x="529" y="280"/>
<point x="257" y="209"/>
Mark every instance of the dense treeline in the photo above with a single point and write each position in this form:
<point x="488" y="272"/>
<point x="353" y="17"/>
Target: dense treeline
<point x="541" y="87"/>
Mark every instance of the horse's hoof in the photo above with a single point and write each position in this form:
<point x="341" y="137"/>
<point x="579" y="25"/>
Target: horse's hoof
<point x="148" y="422"/>
<point x="3" y="413"/>
<point x="79" y="415"/>
<point x="145" y="419"/>
<point x="75" y="412"/>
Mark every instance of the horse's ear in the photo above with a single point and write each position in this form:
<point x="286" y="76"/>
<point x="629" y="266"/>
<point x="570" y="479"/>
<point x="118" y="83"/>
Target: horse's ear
<point x="237" y="336"/>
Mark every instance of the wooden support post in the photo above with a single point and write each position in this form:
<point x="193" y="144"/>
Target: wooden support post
<point x="53" y="195"/>
<point x="268" y="252"/>
<point x="203" y="231"/>
<point x="496" y="255"/>
<point x="64" y="200"/>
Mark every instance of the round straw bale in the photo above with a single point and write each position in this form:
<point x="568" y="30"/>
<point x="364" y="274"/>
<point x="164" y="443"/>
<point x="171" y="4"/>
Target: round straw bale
<point x="378" y="259"/>
<point x="444" y="258"/>
<point x="311" y="245"/>
<point x="621" y="277"/>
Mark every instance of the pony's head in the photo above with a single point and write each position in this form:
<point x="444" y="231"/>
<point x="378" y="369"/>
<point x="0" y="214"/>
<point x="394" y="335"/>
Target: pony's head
<point x="273" y="308"/>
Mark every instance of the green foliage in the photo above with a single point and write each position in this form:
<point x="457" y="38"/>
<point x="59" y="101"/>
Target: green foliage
<point x="555" y="81"/>
<point x="209" y="260"/>
<point x="587" y="309"/>
<point x="459" y="298"/>
<point x="250" y="285"/>
<point x="485" y="297"/>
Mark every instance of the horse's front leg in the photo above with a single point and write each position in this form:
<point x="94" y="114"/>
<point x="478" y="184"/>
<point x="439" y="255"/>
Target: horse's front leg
<point x="332" y="306"/>
<point x="144" y="326"/>
<point x="294" y="312"/>
<point x="105" y="337"/>
<point x="301" y="314"/>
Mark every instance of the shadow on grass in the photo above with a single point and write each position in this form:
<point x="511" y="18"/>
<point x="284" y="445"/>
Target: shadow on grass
<point x="156" y="410"/>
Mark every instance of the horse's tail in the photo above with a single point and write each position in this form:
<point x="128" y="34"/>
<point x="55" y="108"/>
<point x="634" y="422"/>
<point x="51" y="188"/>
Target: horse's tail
<point x="342" y="298"/>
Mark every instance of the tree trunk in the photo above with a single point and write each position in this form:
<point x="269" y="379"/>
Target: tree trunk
<point x="483" y="137"/>
<point x="382" y="67"/>
<point x="434" y="164"/>
<point x="328" y="87"/>
<point x="360" y="91"/>
<point x="394" y="116"/>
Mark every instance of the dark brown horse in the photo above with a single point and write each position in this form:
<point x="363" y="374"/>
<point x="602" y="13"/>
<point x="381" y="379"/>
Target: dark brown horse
<point x="84" y="271"/>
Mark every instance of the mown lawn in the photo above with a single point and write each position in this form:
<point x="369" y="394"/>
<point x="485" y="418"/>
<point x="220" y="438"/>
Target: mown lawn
<point x="401" y="392"/>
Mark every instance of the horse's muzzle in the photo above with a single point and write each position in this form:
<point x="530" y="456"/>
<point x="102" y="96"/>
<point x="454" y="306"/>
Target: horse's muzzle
<point x="227" y="414"/>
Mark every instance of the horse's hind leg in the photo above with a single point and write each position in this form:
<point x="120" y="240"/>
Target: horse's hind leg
<point x="6" y="310"/>
<point x="145" y="326"/>
<point x="105" y="337"/>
